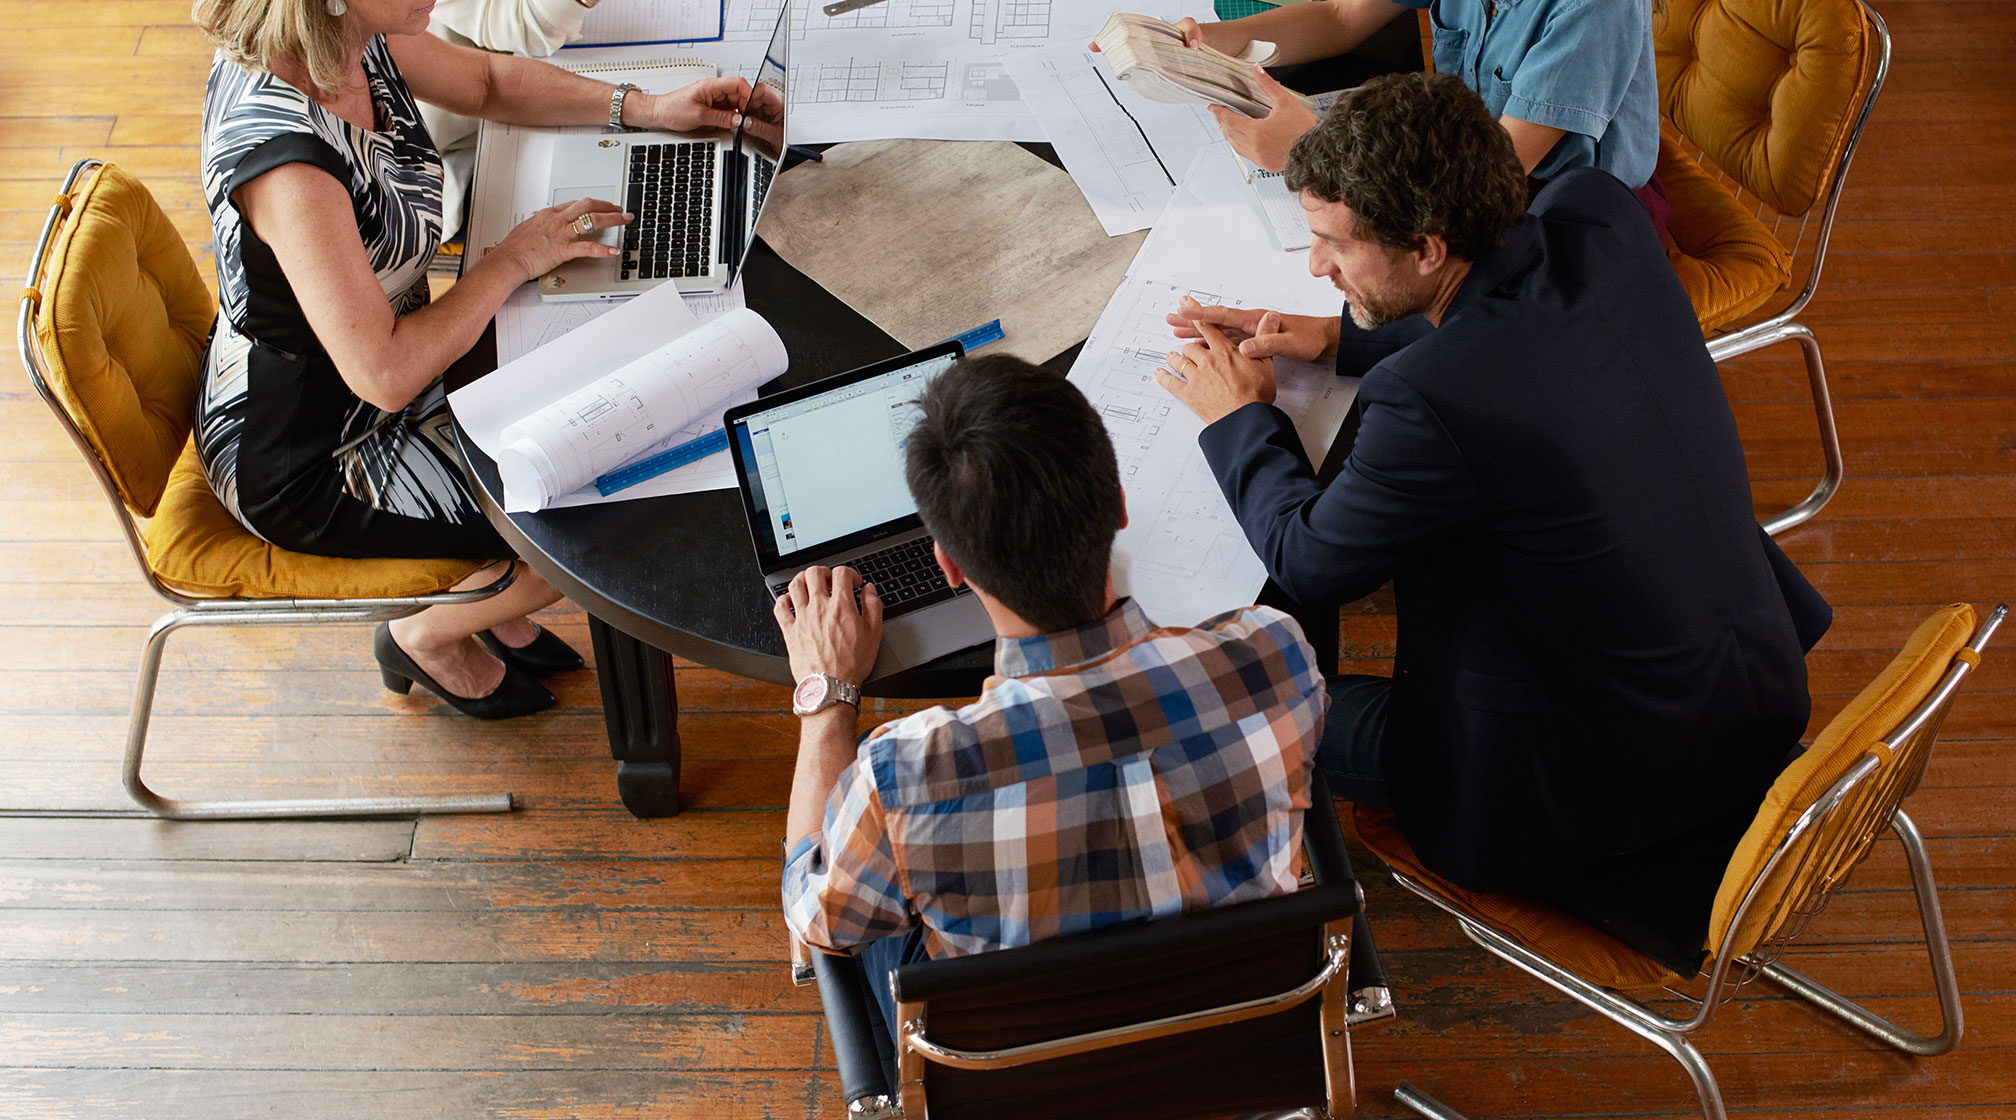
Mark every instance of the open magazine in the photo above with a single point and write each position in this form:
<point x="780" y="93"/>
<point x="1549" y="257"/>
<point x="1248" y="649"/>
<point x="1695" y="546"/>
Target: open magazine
<point x="1150" y="55"/>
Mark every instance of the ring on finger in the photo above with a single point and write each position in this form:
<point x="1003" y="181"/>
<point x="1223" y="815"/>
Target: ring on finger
<point x="585" y="224"/>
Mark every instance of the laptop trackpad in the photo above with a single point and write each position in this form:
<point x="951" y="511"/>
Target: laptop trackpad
<point x="926" y="635"/>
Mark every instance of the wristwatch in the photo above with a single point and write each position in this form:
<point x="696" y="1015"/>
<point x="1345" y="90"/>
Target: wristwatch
<point x="616" y="97"/>
<point x="817" y="692"/>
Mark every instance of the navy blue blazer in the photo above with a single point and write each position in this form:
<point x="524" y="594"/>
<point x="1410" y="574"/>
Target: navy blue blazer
<point x="1599" y="650"/>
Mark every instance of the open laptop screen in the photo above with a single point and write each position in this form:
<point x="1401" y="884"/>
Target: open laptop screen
<point x="761" y="140"/>
<point x="823" y="470"/>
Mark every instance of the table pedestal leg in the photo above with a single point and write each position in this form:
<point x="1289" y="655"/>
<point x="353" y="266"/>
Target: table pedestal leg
<point x="641" y="707"/>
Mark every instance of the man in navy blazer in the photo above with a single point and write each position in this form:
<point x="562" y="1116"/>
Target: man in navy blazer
<point x="1601" y="656"/>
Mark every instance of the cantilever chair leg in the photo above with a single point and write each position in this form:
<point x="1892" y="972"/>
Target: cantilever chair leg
<point x="143" y="704"/>
<point x="1823" y="413"/>
<point x="1936" y="946"/>
<point x="1614" y="1008"/>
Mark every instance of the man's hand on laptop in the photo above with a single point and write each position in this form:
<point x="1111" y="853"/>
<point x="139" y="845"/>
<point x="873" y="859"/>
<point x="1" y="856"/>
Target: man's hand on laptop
<point x="1213" y="379"/>
<point x="824" y="632"/>
<point x="707" y="103"/>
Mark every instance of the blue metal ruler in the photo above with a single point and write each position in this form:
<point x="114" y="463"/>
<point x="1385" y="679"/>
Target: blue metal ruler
<point x="980" y="336"/>
<point x="672" y="458"/>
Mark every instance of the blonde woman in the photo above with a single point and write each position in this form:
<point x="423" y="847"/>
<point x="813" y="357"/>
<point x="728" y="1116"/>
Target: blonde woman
<point x="323" y="424"/>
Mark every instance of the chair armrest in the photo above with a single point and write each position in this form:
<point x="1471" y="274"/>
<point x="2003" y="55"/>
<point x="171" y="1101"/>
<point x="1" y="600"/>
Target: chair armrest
<point x="851" y="1024"/>
<point x="802" y="971"/>
<point x="1323" y="836"/>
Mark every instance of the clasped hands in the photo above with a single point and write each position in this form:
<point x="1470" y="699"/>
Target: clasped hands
<point x="1231" y="363"/>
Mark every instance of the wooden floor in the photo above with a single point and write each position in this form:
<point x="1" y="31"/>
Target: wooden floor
<point x="571" y="961"/>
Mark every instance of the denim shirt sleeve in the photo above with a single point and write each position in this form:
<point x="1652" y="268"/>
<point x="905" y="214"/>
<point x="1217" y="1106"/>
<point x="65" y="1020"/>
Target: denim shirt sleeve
<point x="1579" y="67"/>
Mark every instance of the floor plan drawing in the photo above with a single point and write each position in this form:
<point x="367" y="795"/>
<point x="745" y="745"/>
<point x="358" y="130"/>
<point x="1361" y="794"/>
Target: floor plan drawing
<point x="1009" y="19"/>
<point x="878" y="81"/>
<point x="1182" y="555"/>
<point x="938" y="66"/>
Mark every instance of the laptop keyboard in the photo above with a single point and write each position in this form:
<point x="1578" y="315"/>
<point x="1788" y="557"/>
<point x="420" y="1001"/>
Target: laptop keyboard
<point x="671" y="193"/>
<point x="906" y="575"/>
<point x="765" y="171"/>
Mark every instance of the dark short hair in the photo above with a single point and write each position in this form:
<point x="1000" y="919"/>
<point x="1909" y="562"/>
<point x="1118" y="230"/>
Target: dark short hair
<point x="1412" y="155"/>
<point x="1014" y="474"/>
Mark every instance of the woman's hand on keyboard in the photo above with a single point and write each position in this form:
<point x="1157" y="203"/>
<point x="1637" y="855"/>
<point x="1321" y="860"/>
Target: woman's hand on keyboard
<point x="553" y="236"/>
<point x="707" y="103"/>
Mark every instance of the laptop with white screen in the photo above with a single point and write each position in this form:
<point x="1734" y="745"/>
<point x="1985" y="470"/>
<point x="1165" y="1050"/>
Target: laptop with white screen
<point x="821" y="473"/>
<point x="695" y="197"/>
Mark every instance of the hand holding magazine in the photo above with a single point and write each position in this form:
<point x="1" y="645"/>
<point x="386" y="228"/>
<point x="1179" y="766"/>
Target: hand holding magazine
<point x="1151" y="56"/>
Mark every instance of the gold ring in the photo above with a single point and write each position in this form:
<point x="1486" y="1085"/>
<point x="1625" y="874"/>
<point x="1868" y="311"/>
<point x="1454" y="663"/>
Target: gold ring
<point x="584" y="225"/>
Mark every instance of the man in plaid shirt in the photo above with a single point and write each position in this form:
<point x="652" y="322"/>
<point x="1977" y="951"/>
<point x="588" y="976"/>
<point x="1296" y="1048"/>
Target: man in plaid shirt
<point x="1111" y="769"/>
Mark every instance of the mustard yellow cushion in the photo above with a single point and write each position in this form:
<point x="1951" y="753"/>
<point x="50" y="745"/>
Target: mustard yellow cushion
<point x="1729" y="262"/>
<point x="1574" y="945"/>
<point x="125" y="319"/>
<point x="1856" y="733"/>
<point x="197" y="547"/>
<point x="1770" y="89"/>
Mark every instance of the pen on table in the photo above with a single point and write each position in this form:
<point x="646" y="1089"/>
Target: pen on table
<point x="804" y="153"/>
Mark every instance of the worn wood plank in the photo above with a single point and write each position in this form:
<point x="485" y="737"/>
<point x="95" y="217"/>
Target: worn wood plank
<point x="175" y="1094"/>
<point x="167" y="841"/>
<point x="555" y="962"/>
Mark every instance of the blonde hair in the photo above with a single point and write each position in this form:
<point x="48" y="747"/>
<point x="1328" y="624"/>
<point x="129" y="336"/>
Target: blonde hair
<point x="252" y="33"/>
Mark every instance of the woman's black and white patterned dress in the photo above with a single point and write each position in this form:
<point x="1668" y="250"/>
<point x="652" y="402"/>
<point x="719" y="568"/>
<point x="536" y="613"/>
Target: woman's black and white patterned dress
<point x="289" y="448"/>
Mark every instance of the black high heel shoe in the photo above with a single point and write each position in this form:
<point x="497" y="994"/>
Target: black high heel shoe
<point x="516" y="695"/>
<point x="543" y="656"/>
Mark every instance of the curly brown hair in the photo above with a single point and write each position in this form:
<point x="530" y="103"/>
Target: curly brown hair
<point x="1412" y="155"/>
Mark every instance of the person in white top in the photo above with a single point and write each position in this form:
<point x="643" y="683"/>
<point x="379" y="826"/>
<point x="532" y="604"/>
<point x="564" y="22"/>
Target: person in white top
<point x="535" y="28"/>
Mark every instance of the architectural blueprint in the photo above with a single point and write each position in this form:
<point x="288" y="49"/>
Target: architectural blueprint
<point x="1127" y="153"/>
<point x="1182" y="555"/>
<point x="925" y="69"/>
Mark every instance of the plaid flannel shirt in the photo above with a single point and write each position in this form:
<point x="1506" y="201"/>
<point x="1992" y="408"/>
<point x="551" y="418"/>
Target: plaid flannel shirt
<point x="1109" y="773"/>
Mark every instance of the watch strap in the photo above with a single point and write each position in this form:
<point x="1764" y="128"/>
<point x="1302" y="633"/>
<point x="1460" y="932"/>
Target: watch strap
<point x="616" y="96"/>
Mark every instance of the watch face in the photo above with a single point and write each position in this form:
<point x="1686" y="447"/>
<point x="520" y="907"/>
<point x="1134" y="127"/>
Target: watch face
<point x="809" y="693"/>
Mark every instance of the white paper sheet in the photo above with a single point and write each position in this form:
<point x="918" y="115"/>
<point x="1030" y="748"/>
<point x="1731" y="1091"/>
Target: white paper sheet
<point x="623" y="334"/>
<point x="922" y="69"/>
<point x="645" y="406"/>
<point x="1183" y="556"/>
<point x="1123" y="150"/>
<point x="1212" y="233"/>
<point x="1127" y="153"/>
<point x="652" y="21"/>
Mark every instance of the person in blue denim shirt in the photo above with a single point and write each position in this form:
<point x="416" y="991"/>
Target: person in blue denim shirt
<point x="1572" y="81"/>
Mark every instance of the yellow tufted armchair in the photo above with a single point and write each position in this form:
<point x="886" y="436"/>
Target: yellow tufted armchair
<point x="113" y="329"/>
<point x="1764" y="101"/>
<point x="1818" y="821"/>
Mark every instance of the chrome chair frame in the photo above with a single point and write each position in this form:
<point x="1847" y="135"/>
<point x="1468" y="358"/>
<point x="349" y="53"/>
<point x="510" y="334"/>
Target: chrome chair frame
<point x="1729" y="972"/>
<point x="192" y="611"/>
<point x="1326" y="864"/>
<point x="1782" y="325"/>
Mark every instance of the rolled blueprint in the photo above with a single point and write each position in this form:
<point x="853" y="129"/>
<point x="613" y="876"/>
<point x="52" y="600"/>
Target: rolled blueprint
<point x="675" y="392"/>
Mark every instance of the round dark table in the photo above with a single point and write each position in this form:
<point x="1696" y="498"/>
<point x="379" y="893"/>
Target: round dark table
<point x="677" y="574"/>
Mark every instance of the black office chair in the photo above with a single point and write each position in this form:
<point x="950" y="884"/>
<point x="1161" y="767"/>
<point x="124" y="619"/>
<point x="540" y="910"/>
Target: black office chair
<point x="1207" y="1014"/>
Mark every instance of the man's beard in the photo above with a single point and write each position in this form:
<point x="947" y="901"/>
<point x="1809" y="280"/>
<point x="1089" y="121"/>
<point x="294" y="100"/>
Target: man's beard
<point x="1371" y="312"/>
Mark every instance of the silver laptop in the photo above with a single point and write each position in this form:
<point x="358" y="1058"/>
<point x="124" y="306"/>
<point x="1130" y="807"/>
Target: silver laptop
<point x="821" y="472"/>
<point x="695" y="197"/>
